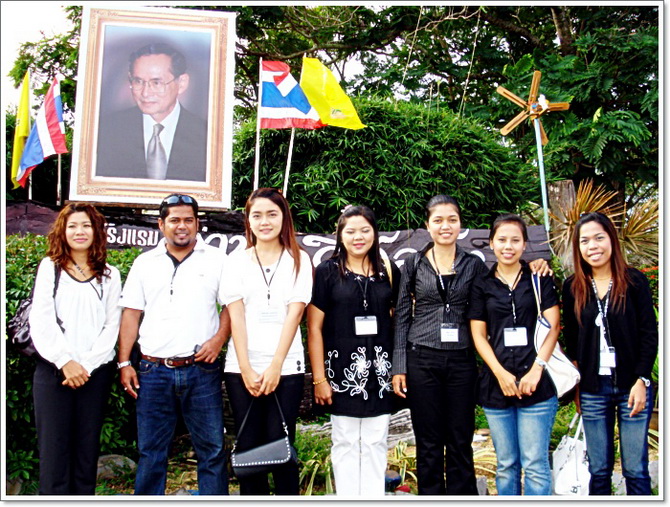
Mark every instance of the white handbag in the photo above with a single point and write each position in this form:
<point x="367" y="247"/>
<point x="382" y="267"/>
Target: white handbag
<point x="570" y="465"/>
<point x="563" y="373"/>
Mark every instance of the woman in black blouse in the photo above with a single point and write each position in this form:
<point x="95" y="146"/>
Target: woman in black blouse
<point x="350" y="348"/>
<point x="517" y="394"/>
<point x="433" y="358"/>
<point x="611" y="332"/>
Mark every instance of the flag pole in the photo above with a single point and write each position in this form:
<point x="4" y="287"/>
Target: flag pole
<point x="59" y="195"/>
<point x="257" y="161"/>
<point x="288" y="162"/>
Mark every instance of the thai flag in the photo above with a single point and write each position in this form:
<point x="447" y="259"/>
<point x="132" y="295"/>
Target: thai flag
<point x="283" y="103"/>
<point x="47" y="136"/>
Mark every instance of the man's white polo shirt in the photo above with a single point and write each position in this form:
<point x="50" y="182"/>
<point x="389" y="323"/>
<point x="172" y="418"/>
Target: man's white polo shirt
<point x="178" y="300"/>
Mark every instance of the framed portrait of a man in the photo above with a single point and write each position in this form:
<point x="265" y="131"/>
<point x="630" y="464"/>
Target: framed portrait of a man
<point x="154" y="106"/>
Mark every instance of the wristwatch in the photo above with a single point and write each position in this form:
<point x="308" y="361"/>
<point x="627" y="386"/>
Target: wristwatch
<point x="541" y="362"/>
<point x="646" y="381"/>
<point x="122" y="364"/>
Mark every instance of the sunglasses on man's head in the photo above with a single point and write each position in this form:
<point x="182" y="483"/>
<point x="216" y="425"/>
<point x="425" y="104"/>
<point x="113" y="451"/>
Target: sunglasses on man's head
<point x="178" y="198"/>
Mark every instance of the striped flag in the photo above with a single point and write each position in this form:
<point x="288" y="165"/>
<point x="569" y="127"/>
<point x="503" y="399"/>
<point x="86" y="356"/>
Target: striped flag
<point x="47" y="136"/>
<point x="283" y="103"/>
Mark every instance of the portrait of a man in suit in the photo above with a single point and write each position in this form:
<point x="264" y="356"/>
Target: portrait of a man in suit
<point x="158" y="138"/>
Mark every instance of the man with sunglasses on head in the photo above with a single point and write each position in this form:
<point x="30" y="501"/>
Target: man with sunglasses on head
<point x="158" y="139"/>
<point x="170" y="301"/>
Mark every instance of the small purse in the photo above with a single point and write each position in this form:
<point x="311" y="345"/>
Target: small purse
<point x="563" y="373"/>
<point x="264" y="458"/>
<point x="18" y="328"/>
<point x="570" y="465"/>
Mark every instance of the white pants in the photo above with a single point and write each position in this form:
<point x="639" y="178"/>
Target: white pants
<point x="359" y="454"/>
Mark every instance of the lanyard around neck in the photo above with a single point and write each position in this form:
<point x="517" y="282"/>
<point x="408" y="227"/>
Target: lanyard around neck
<point x="445" y="290"/>
<point x="268" y="283"/>
<point x="603" y="311"/>
<point x="511" y="290"/>
<point x="364" y="289"/>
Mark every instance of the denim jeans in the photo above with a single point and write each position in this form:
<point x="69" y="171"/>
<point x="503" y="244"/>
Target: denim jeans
<point x="599" y="411"/>
<point x="195" y="391"/>
<point x="521" y="439"/>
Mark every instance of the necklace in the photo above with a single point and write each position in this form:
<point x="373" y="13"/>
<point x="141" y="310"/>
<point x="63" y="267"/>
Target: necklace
<point x="99" y="294"/>
<point x="365" y="272"/>
<point x="79" y="269"/>
<point x="268" y="283"/>
<point x="516" y="279"/>
<point x="437" y="268"/>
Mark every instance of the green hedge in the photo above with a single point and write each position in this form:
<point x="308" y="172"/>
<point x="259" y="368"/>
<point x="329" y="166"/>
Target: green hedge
<point x="24" y="254"/>
<point x="406" y="154"/>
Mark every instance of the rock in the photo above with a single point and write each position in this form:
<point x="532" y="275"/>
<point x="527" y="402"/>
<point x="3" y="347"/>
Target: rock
<point x="181" y="492"/>
<point x="113" y="465"/>
<point x="482" y="486"/>
<point x="618" y="484"/>
<point x="653" y="473"/>
<point x="14" y="486"/>
<point x="619" y="481"/>
<point x="392" y="480"/>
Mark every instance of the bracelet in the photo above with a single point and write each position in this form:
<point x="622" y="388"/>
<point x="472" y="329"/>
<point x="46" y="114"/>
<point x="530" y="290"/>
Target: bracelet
<point x="541" y="362"/>
<point x="319" y="381"/>
<point x="123" y="364"/>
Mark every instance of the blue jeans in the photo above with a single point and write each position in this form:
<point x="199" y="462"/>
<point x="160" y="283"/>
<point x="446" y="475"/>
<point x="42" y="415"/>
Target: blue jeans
<point x="196" y="391"/>
<point x="521" y="439"/>
<point x="599" y="411"/>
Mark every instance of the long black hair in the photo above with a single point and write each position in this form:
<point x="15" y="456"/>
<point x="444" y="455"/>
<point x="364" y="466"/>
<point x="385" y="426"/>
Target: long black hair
<point x="374" y="254"/>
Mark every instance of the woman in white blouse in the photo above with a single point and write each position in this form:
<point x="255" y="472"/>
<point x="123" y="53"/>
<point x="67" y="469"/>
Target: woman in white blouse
<point x="74" y="324"/>
<point x="266" y="288"/>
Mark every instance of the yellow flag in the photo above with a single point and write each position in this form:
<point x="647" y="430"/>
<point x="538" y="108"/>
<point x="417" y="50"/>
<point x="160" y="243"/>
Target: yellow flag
<point x="22" y="129"/>
<point x="326" y="96"/>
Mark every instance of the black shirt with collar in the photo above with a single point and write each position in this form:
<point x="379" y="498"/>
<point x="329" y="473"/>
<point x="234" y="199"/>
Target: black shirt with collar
<point x="424" y="328"/>
<point x="491" y="302"/>
<point x="633" y="333"/>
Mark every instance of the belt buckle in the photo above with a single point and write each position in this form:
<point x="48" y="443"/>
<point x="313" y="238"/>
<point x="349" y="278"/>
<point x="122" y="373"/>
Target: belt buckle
<point x="168" y="363"/>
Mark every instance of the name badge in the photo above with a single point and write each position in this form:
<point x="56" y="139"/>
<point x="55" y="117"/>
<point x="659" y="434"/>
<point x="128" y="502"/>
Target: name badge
<point x="271" y="315"/>
<point x="516" y="337"/>
<point x="365" y="325"/>
<point x="449" y="332"/>
<point x="608" y="358"/>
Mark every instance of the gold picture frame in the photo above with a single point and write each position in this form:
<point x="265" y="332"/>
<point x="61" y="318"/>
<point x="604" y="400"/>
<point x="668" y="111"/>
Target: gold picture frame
<point x="206" y="39"/>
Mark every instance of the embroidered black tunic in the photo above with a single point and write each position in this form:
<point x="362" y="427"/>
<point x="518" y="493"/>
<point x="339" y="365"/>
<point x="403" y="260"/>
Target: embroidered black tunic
<point x="358" y="368"/>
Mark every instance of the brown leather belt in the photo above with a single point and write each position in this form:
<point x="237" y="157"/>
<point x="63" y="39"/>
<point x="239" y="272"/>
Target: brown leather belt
<point x="171" y="362"/>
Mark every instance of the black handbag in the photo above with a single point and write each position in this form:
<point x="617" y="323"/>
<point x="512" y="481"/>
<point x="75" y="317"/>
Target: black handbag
<point x="264" y="458"/>
<point x="18" y="328"/>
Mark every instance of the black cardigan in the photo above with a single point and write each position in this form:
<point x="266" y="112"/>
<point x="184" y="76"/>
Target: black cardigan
<point x="633" y="333"/>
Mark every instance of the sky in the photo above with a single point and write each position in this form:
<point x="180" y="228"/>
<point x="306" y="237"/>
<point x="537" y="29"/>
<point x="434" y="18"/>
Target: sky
<point x="20" y="22"/>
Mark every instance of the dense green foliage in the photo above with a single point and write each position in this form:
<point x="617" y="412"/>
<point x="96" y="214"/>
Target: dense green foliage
<point x="24" y="254"/>
<point x="438" y="152"/>
<point x="603" y="59"/>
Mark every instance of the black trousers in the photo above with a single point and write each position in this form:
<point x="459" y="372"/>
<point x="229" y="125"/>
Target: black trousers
<point x="68" y="425"/>
<point x="264" y="425"/>
<point x="441" y="394"/>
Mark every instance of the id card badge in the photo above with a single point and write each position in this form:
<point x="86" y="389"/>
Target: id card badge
<point x="365" y="325"/>
<point x="271" y="315"/>
<point x="608" y="358"/>
<point x="449" y="332"/>
<point x="516" y="337"/>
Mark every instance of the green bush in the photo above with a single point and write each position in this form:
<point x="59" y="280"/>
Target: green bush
<point x="24" y="254"/>
<point x="438" y="152"/>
